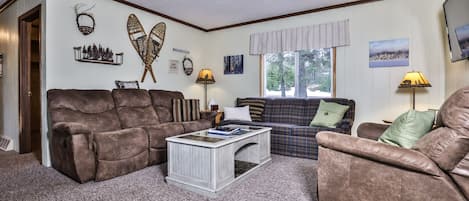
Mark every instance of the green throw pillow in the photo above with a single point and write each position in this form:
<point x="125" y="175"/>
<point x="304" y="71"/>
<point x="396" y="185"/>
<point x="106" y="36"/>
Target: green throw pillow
<point x="329" y="114"/>
<point x="408" y="128"/>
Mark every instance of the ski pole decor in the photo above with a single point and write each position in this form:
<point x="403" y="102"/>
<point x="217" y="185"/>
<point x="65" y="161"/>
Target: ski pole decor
<point x="148" y="47"/>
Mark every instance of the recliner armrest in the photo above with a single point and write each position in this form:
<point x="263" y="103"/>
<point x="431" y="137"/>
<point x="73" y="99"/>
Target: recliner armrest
<point x="71" y="128"/>
<point x="371" y="131"/>
<point x="377" y="151"/>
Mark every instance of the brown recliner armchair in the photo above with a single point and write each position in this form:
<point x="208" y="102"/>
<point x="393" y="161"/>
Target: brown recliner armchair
<point x="436" y="168"/>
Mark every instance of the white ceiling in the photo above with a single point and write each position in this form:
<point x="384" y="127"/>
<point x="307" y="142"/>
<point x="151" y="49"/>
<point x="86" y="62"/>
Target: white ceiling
<point x="210" y="14"/>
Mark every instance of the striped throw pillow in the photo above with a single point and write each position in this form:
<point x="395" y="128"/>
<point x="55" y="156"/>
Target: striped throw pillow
<point x="256" y="107"/>
<point x="186" y="110"/>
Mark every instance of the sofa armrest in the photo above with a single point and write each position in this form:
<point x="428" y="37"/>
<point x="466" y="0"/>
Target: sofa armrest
<point x="208" y="115"/>
<point x="377" y="151"/>
<point x="371" y="131"/>
<point x="71" y="128"/>
<point x="345" y="125"/>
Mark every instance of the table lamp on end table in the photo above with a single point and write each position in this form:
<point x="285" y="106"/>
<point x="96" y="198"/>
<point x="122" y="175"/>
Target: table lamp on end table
<point x="205" y="77"/>
<point x="414" y="79"/>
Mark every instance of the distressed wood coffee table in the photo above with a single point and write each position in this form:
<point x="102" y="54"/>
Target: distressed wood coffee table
<point x="208" y="164"/>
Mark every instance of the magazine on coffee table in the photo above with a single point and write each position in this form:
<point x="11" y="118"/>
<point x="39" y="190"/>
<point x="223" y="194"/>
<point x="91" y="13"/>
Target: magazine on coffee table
<point x="224" y="130"/>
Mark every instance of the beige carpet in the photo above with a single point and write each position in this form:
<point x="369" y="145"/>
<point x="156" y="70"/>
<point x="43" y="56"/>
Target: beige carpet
<point x="22" y="178"/>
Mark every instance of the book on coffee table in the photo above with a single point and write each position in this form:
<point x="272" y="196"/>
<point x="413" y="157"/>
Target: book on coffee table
<point x="224" y="130"/>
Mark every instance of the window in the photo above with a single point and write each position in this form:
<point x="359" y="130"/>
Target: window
<point x="305" y="73"/>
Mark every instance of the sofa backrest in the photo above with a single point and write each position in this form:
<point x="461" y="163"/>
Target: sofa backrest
<point x="94" y="108"/>
<point x="448" y="145"/>
<point x="162" y="102"/>
<point x="284" y="110"/>
<point x="134" y="108"/>
<point x="299" y="111"/>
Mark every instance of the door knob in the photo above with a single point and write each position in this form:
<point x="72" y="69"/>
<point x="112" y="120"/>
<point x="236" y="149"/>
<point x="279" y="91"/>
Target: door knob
<point x="30" y="93"/>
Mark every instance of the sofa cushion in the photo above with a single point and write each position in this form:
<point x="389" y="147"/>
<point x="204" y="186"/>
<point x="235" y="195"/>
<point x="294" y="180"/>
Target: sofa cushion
<point x="312" y="105"/>
<point x="454" y="113"/>
<point x="192" y="126"/>
<point x="93" y="108"/>
<point x="158" y="133"/>
<point x="310" y="131"/>
<point x="237" y="113"/>
<point x="134" y="108"/>
<point x="408" y="128"/>
<point x="120" y="152"/>
<point x="162" y="102"/>
<point x="329" y="114"/>
<point x="186" y="110"/>
<point x="444" y="146"/>
<point x="286" y="110"/>
<point x="256" y="107"/>
<point x="277" y="128"/>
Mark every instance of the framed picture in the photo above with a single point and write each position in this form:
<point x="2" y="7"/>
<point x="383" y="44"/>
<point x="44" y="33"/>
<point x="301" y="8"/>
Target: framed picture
<point x="389" y="53"/>
<point x="127" y="84"/>
<point x="462" y="33"/>
<point x="173" y="66"/>
<point x="233" y="64"/>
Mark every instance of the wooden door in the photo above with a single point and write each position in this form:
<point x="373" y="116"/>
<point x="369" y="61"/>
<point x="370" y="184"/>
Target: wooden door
<point x="25" y="24"/>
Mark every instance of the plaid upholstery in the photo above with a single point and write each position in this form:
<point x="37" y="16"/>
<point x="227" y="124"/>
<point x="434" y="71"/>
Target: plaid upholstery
<point x="289" y="119"/>
<point x="276" y="127"/>
<point x="285" y="110"/>
<point x="310" y="131"/>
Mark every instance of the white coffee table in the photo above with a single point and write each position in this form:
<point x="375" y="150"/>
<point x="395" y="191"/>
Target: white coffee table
<point x="208" y="164"/>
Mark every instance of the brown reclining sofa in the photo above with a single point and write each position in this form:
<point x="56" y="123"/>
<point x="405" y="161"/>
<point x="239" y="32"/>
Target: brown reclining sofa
<point x="99" y="134"/>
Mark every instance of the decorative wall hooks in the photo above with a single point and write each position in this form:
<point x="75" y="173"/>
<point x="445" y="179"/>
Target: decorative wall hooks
<point x="148" y="47"/>
<point x="97" y="54"/>
<point x="85" y="21"/>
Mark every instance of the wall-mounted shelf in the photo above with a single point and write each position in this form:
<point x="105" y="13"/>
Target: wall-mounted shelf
<point x="98" y="55"/>
<point x="98" y="61"/>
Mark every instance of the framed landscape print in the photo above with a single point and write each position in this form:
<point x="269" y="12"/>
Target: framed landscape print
<point x="389" y="53"/>
<point x="233" y="64"/>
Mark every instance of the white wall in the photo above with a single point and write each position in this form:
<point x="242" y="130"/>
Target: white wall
<point x="374" y="90"/>
<point x="9" y="119"/>
<point x="456" y="76"/>
<point x="111" y="31"/>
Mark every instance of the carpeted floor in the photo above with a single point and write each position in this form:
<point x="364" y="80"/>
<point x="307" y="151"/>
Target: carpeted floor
<point x="23" y="178"/>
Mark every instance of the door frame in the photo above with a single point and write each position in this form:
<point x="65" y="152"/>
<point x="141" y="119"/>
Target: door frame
<point x="24" y="80"/>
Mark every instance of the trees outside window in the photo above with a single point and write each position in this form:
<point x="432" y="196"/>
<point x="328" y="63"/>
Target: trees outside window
<point x="305" y="73"/>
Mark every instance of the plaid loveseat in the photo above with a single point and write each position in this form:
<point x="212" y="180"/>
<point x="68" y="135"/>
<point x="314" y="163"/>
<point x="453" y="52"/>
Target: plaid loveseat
<point x="289" y="119"/>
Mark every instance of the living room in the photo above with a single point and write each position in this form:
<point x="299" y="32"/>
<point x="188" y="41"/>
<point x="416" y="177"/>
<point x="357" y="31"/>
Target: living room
<point x="375" y="91"/>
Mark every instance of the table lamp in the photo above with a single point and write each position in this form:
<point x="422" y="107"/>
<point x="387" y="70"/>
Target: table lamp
<point x="414" y="79"/>
<point x="205" y="77"/>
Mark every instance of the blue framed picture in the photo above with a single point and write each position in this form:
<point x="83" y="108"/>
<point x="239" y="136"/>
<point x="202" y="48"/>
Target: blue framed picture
<point x="389" y="53"/>
<point x="233" y="64"/>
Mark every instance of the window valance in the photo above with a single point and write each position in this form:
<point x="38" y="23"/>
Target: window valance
<point x="317" y="36"/>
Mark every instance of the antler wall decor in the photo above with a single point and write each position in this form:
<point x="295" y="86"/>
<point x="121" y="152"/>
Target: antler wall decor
<point x="148" y="47"/>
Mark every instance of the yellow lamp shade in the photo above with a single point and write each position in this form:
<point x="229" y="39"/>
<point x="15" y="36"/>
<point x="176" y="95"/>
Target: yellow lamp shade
<point x="414" y="79"/>
<point x="205" y="77"/>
